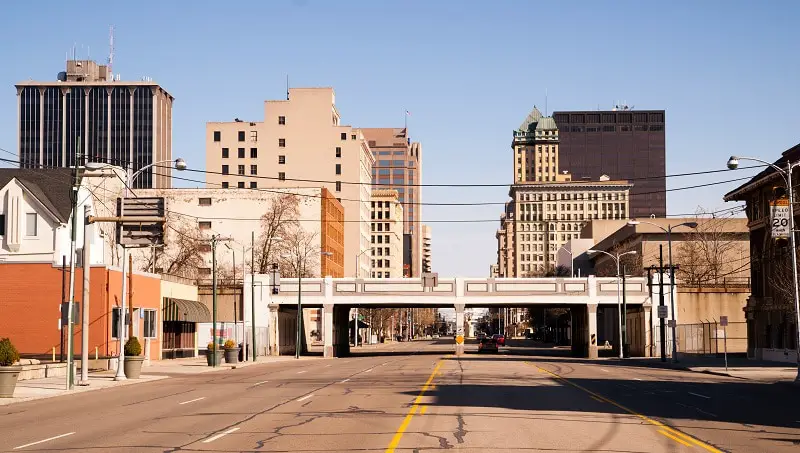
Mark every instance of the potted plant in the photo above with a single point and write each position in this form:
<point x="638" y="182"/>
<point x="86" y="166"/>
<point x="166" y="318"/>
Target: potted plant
<point x="133" y="358"/>
<point x="231" y="352"/>
<point x="213" y="356"/>
<point x="8" y="371"/>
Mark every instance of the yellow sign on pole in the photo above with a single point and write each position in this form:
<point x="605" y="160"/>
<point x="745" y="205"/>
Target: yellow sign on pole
<point x="459" y="339"/>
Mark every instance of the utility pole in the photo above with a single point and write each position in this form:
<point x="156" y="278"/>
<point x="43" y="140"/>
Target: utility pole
<point x="253" y="289"/>
<point x="70" y="337"/>
<point x="87" y="268"/>
<point x="63" y="301"/>
<point x="625" y="347"/>
<point x="298" y="340"/>
<point x="663" y="329"/>
<point x="214" y="298"/>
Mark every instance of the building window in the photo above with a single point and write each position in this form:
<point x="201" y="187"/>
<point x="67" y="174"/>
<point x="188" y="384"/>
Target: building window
<point x="254" y="169"/>
<point x="281" y="120"/>
<point x="204" y="225"/>
<point x="115" y="311"/>
<point x="338" y="151"/>
<point x="338" y="186"/>
<point x="217" y="136"/>
<point x="353" y="137"/>
<point x="282" y="142"/>
<point x="253" y="185"/>
<point x="240" y="184"/>
<point x="281" y="176"/>
<point x="253" y="153"/>
<point x="31" y="220"/>
<point x="241" y="136"/>
<point x="225" y="153"/>
<point x="281" y="160"/>
<point x="149" y="323"/>
<point x="241" y="153"/>
<point x="240" y="169"/>
<point x="225" y="170"/>
<point x="204" y="270"/>
<point x="338" y="169"/>
<point x="204" y="201"/>
<point x="344" y="136"/>
<point x="2" y="225"/>
<point x="225" y="185"/>
<point x="253" y="136"/>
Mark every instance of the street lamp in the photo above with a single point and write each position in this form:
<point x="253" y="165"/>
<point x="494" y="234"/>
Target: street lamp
<point x="668" y="230"/>
<point x="179" y="164"/>
<point x="358" y="272"/>
<point x="300" y="269"/>
<point x="616" y="259"/>
<point x="786" y="174"/>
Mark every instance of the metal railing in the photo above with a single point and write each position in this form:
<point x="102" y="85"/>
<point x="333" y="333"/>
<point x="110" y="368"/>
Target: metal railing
<point x="724" y="283"/>
<point x="709" y="338"/>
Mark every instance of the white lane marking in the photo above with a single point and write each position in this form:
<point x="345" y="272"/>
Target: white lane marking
<point x="224" y="433"/>
<point x="707" y="413"/>
<point x="301" y="372"/>
<point x="192" y="401"/>
<point x="604" y="370"/>
<point x="345" y="381"/>
<point x="45" y="440"/>
<point x="367" y="371"/>
<point x="701" y="396"/>
<point x="636" y="378"/>
<point x="305" y="398"/>
<point x="327" y="366"/>
<point x="259" y="383"/>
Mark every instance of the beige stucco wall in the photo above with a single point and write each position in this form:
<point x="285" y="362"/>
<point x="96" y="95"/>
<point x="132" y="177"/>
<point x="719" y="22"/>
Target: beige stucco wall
<point x="698" y="307"/>
<point x="176" y="290"/>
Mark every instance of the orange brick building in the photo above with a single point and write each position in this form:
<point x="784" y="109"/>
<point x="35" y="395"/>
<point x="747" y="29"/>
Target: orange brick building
<point x="30" y="297"/>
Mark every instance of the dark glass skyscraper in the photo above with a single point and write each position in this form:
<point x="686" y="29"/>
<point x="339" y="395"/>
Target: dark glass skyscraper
<point x="121" y="123"/>
<point x="623" y="144"/>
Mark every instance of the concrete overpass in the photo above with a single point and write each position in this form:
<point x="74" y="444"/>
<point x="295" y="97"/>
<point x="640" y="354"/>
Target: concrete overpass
<point x="336" y="296"/>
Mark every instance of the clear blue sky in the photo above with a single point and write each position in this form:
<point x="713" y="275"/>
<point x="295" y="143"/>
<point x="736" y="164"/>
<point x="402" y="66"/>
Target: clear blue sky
<point x="726" y="72"/>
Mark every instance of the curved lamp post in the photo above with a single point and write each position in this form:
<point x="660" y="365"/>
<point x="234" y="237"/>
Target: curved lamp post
<point x="786" y="174"/>
<point x="668" y="230"/>
<point x="616" y="259"/>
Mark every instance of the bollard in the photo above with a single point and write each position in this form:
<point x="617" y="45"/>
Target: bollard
<point x="54" y="353"/>
<point x="95" y="353"/>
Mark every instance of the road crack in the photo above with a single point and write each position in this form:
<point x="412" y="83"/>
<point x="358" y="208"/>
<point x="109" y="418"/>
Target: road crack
<point x="460" y="432"/>
<point x="443" y="443"/>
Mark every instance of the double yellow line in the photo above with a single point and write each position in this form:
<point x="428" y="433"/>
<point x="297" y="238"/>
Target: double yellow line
<point x="664" y="430"/>
<point x="417" y="401"/>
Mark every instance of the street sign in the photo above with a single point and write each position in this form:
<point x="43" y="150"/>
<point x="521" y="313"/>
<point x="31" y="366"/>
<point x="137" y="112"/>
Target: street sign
<point x="141" y="233"/>
<point x="723" y="321"/>
<point x="663" y="312"/>
<point x="671" y="323"/>
<point x="459" y="339"/>
<point x="76" y="312"/>
<point x="779" y="218"/>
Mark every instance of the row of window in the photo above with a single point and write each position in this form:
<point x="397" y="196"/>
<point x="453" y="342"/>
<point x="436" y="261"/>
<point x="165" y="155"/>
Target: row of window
<point x="380" y="239"/>
<point x="240" y="185"/>
<point x="241" y="153"/>
<point x="606" y="215"/>
<point x="240" y="170"/>
<point x="385" y="274"/>
<point x="149" y="317"/>
<point x="572" y="196"/>
<point x="31" y="224"/>
<point x="380" y="263"/>
<point x="381" y="251"/>
<point x="380" y="215"/>
<point x="381" y="227"/>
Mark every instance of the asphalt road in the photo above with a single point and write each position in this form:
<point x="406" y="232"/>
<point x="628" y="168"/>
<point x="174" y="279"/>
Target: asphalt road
<point x="416" y="397"/>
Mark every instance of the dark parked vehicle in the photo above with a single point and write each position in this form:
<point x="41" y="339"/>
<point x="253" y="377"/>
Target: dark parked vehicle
<point x="500" y="339"/>
<point x="487" y="345"/>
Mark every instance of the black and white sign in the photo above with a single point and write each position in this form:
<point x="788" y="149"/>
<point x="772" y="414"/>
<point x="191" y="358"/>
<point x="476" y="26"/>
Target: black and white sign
<point x="663" y="312"/>
<point x="779" y="218"/>
<point x="723" y="321"/>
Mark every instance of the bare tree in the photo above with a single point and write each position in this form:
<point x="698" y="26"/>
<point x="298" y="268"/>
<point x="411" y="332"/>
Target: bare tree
<point x="711" y="253"/>
<point x="301" y="252"/>
<point x="280" y="221"/>
<point x="183" y="250"/>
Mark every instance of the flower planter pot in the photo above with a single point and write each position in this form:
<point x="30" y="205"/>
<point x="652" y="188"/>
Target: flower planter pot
<point x="8" y="380"/>
<point x="232" y="355"/>
<point x="214" y="358"/>
<point x="133" y="366"/>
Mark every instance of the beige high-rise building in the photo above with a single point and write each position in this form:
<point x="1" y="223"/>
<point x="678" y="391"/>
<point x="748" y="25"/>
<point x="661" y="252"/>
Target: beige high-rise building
<point x="398" y="166"/>
<point x="547" y="208"/>
<point x="426" y="248"/>
<point x="386" y="256"/>
<point x="301" y="140"/>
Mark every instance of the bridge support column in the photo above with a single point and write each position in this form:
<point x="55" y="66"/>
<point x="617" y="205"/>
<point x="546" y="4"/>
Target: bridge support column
<point x="274" y="330"/>
<point x="327" y="330"/>
<point x="459" y="329"/>
<point x="591" y="327"/>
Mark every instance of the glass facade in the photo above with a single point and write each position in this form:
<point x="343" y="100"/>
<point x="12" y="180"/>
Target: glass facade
<point x="53" y="123"/>
<point x="143" y="136"/>
<point x="29" y="127"/>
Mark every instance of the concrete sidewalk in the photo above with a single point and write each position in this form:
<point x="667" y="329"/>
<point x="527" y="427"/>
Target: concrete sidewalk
<point x="34" y="389"/>
<point x="738" y="367"/>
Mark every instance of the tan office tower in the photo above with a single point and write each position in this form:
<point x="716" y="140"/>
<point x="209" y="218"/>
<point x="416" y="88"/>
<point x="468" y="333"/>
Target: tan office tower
<point x="387" y="234"/>
<point x="300" y="143"/>
<point x="118" y="122"/>
<point x="398" y="166"/>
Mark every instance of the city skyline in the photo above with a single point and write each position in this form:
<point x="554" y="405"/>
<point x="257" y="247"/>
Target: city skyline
<point x="451" y="60"/>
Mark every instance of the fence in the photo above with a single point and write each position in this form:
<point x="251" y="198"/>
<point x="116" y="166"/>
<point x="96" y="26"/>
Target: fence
<point x="709" y="338"/>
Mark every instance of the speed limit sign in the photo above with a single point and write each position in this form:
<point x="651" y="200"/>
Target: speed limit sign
<point x="779" y="218"/>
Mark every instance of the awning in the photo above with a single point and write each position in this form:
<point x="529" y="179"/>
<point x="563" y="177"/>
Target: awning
<point x="361" y="324"/>
<point x="185" y="310"/>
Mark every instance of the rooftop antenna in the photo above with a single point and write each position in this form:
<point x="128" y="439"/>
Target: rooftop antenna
<point x="111" y="52"/>
<point x="287" y="87"/>
<point x="545" y="102"/>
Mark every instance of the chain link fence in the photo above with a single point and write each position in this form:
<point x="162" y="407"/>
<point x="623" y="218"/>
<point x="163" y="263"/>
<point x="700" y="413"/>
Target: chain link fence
<point x="709" y="338"/>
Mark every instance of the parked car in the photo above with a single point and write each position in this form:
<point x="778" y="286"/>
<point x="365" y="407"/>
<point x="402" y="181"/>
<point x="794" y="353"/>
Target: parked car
<point x="481" y="336"/>
<point x="487" y="345"/>
<point x="500" y="339"/>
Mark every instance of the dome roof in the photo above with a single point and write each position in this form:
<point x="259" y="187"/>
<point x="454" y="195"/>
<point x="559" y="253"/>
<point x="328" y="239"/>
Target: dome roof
<point x="532" y="118"/>
<point x="546" y="123"/>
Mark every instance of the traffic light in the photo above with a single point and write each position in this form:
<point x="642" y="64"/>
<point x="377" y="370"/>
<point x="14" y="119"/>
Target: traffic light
<point x="779" y="192"/>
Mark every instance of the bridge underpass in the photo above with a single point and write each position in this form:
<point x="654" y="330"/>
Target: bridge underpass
<point x="585" y="297"/>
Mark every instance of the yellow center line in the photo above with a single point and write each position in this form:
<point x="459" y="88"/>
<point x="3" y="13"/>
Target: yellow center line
<point x="676" y="439"/>
<point x="668" y="429"/>
<point x="423" y="410"/>
<point x="398" y="435"/>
